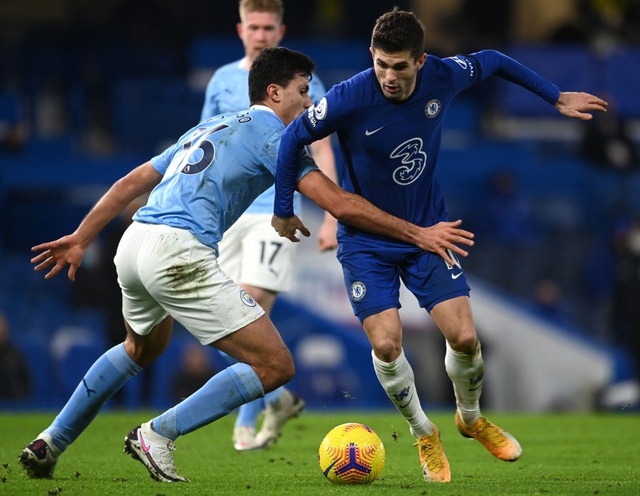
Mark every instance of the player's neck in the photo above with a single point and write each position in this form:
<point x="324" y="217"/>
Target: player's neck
<point x="246" y="62"/>
<point x="268" y="104"/>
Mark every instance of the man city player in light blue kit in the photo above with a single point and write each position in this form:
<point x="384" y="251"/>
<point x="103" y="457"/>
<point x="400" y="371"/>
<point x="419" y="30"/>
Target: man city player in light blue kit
<point x="167" y="266"/>
<point x="251" y="252"/>
<point x="388" y="120"/>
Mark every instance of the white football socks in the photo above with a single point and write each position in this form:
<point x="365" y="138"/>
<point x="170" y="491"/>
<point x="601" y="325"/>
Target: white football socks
<point x="397" y="379"/>
<point x="466" y="372"/>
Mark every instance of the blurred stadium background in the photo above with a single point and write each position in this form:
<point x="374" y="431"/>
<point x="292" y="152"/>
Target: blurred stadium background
<point x="89" y="90"/>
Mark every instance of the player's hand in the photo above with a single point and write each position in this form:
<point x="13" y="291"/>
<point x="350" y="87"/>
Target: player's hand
<point x="62" y="252"/>
<point x="288" y="227"/>
<point x="446" y="236"/>
<point x="578" y="104"/>
<point x="327" y="234"/>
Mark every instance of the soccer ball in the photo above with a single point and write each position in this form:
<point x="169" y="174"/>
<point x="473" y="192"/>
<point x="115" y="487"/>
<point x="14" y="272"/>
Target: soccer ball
<point x="351" y="453"/>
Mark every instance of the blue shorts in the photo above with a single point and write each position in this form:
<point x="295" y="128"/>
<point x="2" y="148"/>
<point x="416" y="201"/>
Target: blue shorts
<point x="373" y="270"/>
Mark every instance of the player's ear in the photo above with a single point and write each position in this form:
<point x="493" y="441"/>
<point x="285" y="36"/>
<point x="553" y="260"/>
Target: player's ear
<point x="274" y="92"/>
<point x="422" y="60"/>
<point x="239" y="29"/>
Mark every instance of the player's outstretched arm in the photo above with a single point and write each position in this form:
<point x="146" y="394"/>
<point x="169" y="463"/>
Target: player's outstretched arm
<point x="579" y="104"/>
<point x="70" y="249"/>
<point x="358" y="212"/>
<point x="322" y="153"/>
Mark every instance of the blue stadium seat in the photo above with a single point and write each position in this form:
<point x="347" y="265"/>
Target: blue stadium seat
<point x="36" y="352"/>
<point x="152" y="113"/>
<point x="210" y="52"/>
<point x="11" y="107"/>
<point x="567" y="66"/>
<point x="622" y="81"/>
<point x="73" y="350"/>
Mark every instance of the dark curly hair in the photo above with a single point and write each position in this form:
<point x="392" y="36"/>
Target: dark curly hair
<point x="397" y="31"/>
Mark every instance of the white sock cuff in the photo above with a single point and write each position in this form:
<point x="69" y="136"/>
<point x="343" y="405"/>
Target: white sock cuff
<point x="460" y="354"/>
<point x="388" y="366"/>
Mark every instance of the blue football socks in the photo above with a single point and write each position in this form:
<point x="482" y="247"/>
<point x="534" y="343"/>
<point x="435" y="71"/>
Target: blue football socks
<point x="103" y="379"/>
<point x="274" y="396"/>
<point x="223" y="393"/>
<point x="249" y="412"/>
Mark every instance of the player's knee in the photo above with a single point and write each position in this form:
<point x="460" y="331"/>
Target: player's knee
<point x="143" y="353"/>
<point x="464" y="342"/>
<point x="278" y="371"/>
<point x="387" y="349"/>
<point x="287" y="368"/>
<point x="276" y="379"/>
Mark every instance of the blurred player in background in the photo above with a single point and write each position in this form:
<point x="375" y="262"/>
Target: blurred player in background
<point x="14" y="369"/>
<point x="167" y="266"/>
<point x="389" y="122"/>
<point x="251" y="252"/>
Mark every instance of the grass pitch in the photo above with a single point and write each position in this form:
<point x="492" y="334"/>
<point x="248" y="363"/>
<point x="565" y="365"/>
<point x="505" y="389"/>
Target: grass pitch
<point x="563" y="454"/>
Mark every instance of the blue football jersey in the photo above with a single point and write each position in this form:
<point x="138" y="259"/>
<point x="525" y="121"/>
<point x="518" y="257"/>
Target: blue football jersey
<point x="389" y="149"/>
<point x="214" y="172"/>
<point x="228" y="91"/>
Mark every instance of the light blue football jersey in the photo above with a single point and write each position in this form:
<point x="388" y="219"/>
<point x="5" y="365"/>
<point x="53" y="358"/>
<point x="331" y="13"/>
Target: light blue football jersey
<point x="215" y="171"/>
<point x="228" y="91"/>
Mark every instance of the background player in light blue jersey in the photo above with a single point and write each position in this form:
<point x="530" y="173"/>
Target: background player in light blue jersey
<point x="251" y="252"/>
<point x="388" y="120"/>
<point x="167" y="266"/>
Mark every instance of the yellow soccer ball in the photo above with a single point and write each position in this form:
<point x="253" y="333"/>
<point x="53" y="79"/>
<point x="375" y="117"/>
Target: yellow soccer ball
<point x="351" y="453"/>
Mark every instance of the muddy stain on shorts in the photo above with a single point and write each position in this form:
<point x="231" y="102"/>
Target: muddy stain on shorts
<point x="188" y="276"/>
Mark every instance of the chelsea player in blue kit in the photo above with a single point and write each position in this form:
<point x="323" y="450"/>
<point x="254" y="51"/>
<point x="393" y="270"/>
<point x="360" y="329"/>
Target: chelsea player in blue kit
<point x="167" y="266"/>
<point x="251" y="252"/>
<point x="388" y="120"/>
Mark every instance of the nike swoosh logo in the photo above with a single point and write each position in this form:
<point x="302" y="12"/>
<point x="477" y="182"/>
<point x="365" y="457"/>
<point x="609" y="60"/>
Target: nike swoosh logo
<point x="407" y="403"/>
<point x="328" y="469"/>
<point x="455" y="276"/>
<point x="369" y="133"/>
<point x="144" y="445"/>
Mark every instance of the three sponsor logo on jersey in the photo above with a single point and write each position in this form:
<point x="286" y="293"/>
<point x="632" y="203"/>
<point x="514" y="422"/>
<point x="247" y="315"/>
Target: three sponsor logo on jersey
<point x="410" y="153"/>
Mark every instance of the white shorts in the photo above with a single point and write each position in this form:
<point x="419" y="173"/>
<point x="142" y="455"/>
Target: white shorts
<point x="166" y="271"/>
<point x="252" y="252"/>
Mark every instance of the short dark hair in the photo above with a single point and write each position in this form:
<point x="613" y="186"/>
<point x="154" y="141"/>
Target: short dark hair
<point x="397" y="31"/>
<point x="276" y="66"/>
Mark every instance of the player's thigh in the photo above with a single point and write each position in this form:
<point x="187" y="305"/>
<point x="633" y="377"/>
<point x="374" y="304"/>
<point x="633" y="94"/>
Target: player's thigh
<point x="384" y="331"/>
<point x="144" y="349"/>
<point x="215" y="306"/>
<point x="267" y="259"/>
<point x="372" y="282"/>
<point x="443" y="291"/>
<point x="183" y="277"/>
<point x="454" y="318"/>
<point x="139" y="308"/>
<point x="259" y="344"/>
<point x="431" y="280"/>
